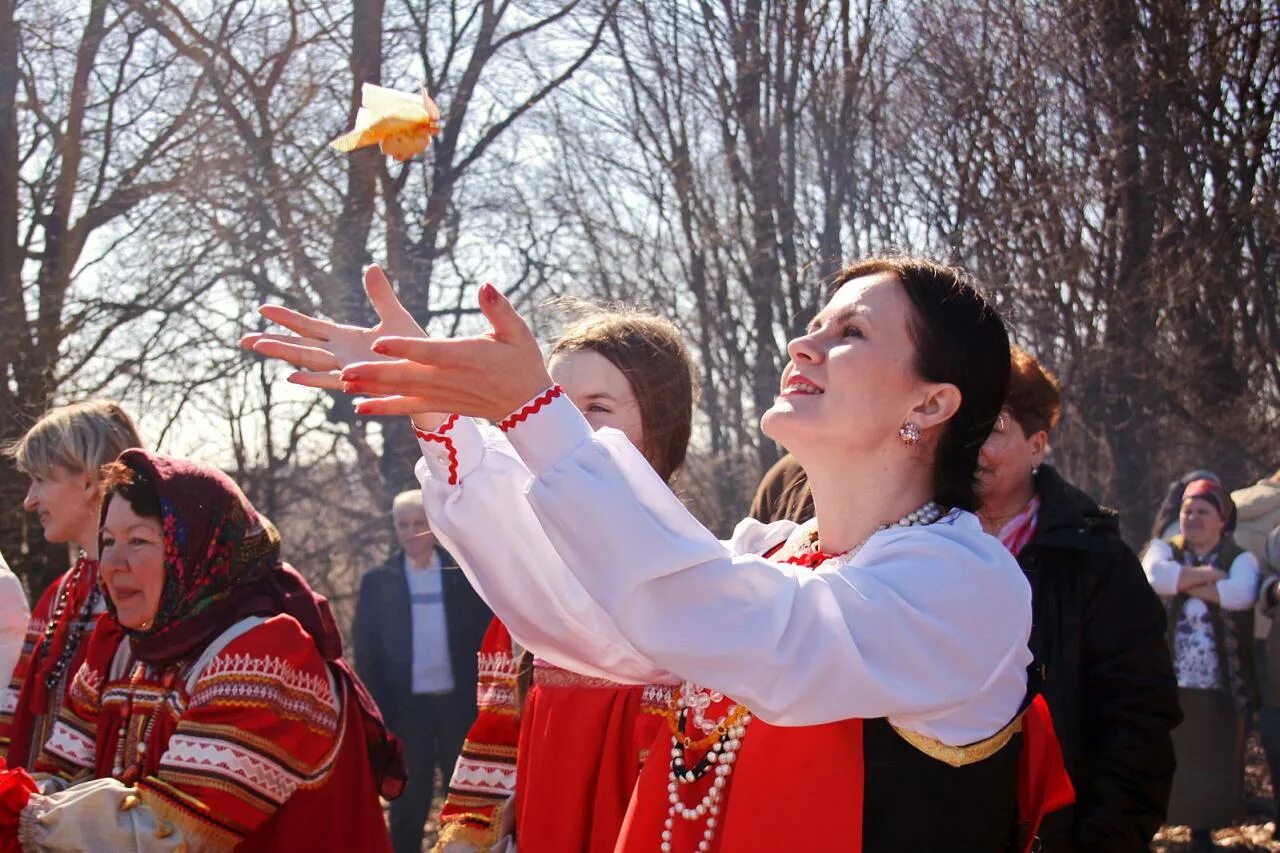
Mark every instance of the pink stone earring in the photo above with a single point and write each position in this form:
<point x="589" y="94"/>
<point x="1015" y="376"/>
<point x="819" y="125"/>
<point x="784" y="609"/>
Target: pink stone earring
<point x="909" y="433"/>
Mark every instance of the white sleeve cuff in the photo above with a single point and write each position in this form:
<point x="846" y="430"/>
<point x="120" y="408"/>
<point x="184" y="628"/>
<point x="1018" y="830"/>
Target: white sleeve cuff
<point x="546" y="430"/>
<point x="452" y="450"/>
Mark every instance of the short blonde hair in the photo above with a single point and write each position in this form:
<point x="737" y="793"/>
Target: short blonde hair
<point x="413" y="497"/>
<point x="81" y="437"/>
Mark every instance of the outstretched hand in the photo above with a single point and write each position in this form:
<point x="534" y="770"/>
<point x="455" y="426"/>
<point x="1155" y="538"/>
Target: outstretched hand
<point x="322" y="348"/>
<point x="486" y="376"/>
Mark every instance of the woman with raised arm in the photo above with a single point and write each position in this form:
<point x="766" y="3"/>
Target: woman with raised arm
<point x="575" y="742"/>
<point x="862" y="686"/>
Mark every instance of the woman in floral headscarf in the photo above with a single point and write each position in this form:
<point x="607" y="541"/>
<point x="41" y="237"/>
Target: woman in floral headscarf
<point x="1209" y="585"/>
<point x="227" y="717"/>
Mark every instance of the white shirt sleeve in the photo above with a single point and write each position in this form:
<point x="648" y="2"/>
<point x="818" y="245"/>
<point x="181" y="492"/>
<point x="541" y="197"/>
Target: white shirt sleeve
<point x="1239" y="590"/>
<point x="1162" y="570"/>
<point x="473" y="491"/>
<point x="926" y="626"/>
<point x="14" y="614"/>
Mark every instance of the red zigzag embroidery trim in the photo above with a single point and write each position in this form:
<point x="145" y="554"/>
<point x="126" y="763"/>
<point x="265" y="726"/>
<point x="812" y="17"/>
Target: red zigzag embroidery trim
<point x="439" y="435"/>
<point x="542" y="400"/>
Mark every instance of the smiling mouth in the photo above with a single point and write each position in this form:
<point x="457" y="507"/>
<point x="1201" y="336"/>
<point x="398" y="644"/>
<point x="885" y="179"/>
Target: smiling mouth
<point x="798" y="387"/>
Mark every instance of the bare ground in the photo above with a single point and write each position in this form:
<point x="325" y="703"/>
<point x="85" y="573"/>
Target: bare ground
<point x="1255" y="834"/>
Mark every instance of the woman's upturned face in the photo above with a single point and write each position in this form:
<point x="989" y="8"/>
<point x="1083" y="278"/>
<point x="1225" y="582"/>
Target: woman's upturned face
<point x="851" y="382"/>
<point x="1007" y="458"/>
<point x="600" y="391"/>
<point x="66" y="502"/>
<point x="1201" y="524"/>
<point x="132" y="564"/>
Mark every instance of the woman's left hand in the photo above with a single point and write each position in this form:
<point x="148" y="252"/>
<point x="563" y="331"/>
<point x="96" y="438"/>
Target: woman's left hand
<point x="485" y="376"/>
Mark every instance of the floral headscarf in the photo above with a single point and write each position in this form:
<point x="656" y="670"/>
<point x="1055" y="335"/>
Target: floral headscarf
<point x="222" y="564"/>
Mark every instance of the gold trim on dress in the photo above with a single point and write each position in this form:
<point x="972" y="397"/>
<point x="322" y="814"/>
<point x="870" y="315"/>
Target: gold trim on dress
<point x="554" y="676"/>
<point x="959" y="756"/>
<point x="454" y="829"/>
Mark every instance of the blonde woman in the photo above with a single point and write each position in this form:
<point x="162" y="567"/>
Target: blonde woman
<point x="61" y="454"/>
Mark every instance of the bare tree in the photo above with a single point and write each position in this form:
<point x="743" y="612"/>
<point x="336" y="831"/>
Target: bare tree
<point x="94" y="119"/>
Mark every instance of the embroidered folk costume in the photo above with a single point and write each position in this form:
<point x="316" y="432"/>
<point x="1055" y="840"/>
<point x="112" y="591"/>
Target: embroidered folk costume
<point x="484" y="778"/>
<point x="52" y="652"/>
<point x="232" y="721"/>
<point x="576" y="744"/>
<point x="874" y="700"/>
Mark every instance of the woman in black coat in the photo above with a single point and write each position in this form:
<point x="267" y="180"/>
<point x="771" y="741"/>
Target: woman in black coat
<point x="1099" y="630"/>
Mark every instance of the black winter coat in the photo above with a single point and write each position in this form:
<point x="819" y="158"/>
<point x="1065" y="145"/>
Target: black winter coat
<point x="1099" y="631"/>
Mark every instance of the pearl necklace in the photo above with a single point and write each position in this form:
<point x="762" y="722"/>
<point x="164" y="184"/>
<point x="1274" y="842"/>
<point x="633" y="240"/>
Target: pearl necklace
<point x="725" y="735"/>
<point x="728" y="732"/>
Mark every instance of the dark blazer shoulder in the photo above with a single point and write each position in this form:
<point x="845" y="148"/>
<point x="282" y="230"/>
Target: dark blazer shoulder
<point x="387" y="573"/>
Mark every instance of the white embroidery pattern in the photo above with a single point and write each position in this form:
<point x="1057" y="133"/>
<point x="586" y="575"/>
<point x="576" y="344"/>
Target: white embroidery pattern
<point x="270" y="681"/>
<point x="86" y="687"/>
<point x="8" y="701"/>
<point x="496" y="665"/>
<point x="188" y="753"/>
<point x="71" y="744"/>
<point x="495" y="696"/>
<point x="483" y="777"/>
<point x="143" y="698"/>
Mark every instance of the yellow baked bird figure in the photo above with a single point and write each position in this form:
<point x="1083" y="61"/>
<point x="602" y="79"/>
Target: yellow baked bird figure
<point x="399" y="123"/>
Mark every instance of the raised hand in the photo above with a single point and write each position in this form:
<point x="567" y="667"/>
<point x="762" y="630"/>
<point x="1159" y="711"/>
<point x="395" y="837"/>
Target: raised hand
<point x="322" y="348"/>
<point x="484" y="376"/>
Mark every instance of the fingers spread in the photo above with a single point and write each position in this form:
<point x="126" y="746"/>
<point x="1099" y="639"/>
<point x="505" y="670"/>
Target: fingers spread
<point x="383" y="296"/>
<point x="308" y="357"/>
<point x="426" y="351"/>
<point x="294" y="321"/>
<point x="328" y="380"/>
<point x="507" y="324"/>
<point x="292" y="340"/>
<point x="394" y="406"/>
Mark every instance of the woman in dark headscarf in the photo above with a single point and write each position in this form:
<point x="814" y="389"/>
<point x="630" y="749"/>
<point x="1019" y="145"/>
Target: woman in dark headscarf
<point x="227" y="716"/>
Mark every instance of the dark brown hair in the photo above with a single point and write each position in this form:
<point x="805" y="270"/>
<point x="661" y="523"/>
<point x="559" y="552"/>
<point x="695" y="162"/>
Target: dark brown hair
<point x="1033" y="400"/>
<point x="134" y="486"/>
<point x="960" y="340"/>
<point x="651" y="354"/>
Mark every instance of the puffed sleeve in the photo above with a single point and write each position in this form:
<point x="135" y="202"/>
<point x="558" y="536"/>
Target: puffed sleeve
<point x="927" y="626"/>
<point x="473" y="489"/>
<point x="262" y="721"/>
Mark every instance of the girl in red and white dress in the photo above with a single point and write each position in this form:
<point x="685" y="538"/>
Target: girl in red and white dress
<point x="862" y="688"/>
<point x="581" y="739"/>
<point x="61" y="453"/>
